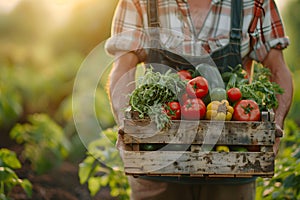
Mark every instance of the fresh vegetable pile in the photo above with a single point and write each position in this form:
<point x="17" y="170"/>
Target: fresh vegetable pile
<point x="153" y="96"/>
<point x="195" y="95"/>
<point x="259" y="88"/>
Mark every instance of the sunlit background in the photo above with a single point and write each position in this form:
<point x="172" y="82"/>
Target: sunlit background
<point x="54" y="36"/>
<point x="44" y="42"/>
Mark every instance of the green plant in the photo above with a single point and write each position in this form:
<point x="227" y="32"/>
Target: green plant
<point x="8" y="178"/>
<point x="45" y="144"/>
<point x="10" y="100"/>
<point x="102" y="167"/>
<point x="286" y="181"/>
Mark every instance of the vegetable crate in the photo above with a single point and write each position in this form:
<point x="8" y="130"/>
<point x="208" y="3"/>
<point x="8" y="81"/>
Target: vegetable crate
<point x="187" y="148"/>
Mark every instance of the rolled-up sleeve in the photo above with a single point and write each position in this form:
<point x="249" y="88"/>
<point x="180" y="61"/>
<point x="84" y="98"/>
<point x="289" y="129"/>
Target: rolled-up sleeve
<point x="269" y="32"/>
<point x="127" y="33"/>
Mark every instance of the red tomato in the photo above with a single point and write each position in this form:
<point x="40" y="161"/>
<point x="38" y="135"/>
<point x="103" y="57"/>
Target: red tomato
<point x="234" y="94"/>
<point x="185" y="75"/>
<point x="184" y="97"/>
<point x="193" y="109"/>
<point x="246" y="110"/>
<point x="197" y="87"/>
<point x="173" y="110"/>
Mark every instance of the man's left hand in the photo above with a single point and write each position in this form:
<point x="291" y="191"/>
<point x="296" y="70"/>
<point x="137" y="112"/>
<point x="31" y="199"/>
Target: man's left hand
<point x="278" y="135"/>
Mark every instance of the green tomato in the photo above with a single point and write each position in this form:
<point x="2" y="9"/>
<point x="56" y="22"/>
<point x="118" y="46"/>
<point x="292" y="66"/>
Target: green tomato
<point x="218" y="94"/>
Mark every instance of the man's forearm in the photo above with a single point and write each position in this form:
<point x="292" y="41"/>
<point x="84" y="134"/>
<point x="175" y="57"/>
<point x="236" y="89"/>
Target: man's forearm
<point x="282" y="76"/>
<point x="121" y="83"/>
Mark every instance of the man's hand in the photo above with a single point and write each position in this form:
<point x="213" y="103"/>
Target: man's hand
<point x="120" y="142"/>
<point x="278" y="134"/>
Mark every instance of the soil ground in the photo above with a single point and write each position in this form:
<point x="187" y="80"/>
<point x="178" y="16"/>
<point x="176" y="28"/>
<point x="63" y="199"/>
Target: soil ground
<point x="59" y="184"/>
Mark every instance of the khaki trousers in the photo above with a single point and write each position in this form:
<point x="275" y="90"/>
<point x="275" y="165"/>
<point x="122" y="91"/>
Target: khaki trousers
<point x="147" y="189"/>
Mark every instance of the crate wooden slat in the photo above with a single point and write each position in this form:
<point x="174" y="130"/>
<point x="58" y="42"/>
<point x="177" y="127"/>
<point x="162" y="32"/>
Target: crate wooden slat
<point x="193" y="159"/>
<point x="213" y="164"/>
<point x="194" y="132"/>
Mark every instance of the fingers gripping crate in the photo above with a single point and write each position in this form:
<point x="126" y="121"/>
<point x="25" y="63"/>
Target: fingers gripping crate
<point x="187" y="148"/>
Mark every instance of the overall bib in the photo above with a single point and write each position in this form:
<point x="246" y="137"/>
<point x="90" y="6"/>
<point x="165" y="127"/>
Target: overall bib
<point x="228" y="55"/>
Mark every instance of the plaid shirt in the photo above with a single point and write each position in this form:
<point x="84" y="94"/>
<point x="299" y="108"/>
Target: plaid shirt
<point x="177" y="33"/>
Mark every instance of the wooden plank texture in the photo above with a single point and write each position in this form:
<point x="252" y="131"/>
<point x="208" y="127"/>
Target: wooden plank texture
<point x="199" y="164"/>
<point x="197" y="132"/>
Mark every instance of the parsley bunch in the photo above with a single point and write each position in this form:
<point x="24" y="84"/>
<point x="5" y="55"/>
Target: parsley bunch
<point x="153" y="90"/>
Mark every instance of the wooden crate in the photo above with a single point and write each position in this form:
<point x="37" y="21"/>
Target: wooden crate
<point x="181" y="150"/>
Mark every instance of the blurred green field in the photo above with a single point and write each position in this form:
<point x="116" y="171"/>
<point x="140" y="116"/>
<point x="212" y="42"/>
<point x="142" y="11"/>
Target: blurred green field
<point x="42" y="46"/>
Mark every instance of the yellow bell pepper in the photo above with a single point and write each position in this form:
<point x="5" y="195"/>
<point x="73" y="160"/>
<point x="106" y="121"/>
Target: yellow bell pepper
<point x="219" y="110"/>
<point x="222" y="149"/>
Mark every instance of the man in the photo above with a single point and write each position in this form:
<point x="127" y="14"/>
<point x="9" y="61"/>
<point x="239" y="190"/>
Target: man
<point x="249" y="30"/>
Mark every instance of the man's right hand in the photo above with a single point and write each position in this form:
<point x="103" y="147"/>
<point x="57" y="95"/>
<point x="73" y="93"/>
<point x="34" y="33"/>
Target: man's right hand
<point x="120" y="142"/>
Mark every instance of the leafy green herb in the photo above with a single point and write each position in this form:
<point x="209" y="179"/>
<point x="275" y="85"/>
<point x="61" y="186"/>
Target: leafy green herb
<point x="261" y="89"/>
<point x="153" y="90"/>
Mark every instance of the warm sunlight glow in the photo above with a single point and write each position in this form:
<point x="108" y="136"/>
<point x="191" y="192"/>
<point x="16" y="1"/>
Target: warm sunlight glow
<point x="63" y="6"/>
<point x="7" y="6"/>
<point x="281" y="3"/>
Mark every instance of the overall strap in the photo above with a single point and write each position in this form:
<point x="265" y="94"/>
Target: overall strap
<point x="152" y="14"/>
<point x="153" y="22"/>
<point x="237" y="15"/>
